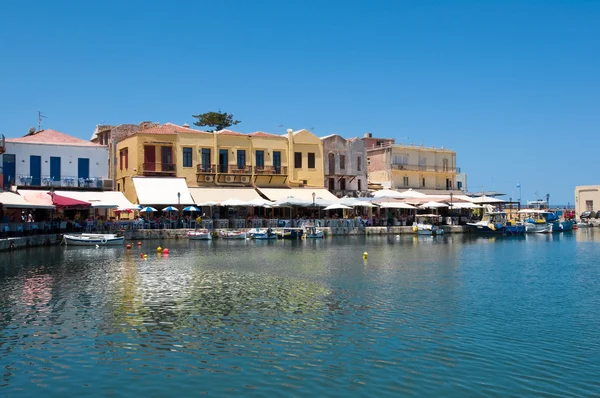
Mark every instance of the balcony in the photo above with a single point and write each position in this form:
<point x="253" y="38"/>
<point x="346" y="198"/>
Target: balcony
<point x="270" y="170"/>
<point x="158" y="169"/>
<point x="426" y="168"/>
<point x="2" y="144"/>
<point x="240" y="170"/>
<point x="66" y="182"/>
<point x="206" y="169"/>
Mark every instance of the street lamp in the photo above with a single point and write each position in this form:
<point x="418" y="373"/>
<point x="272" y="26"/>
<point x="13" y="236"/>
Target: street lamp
<point x="313" y="196"/>
<point x="179" y="206"/>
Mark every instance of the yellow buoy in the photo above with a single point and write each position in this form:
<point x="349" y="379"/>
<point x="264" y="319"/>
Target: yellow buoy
<point x="159" y="249"/>
<point x="365" y="255"/>
<point x="145" y="256"/>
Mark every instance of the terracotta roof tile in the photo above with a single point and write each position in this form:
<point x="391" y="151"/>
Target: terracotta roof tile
<point x="170" y="128"/>
<point x="53" y="137"/>
<point x="263" y="134"/>
<point x="228" y="132"/>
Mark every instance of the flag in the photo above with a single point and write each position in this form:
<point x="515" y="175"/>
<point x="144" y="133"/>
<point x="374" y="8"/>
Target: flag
<point x="518" y="185"/>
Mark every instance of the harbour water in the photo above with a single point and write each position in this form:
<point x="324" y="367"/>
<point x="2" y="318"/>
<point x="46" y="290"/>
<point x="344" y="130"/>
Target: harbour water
<point x="451" y="316"/>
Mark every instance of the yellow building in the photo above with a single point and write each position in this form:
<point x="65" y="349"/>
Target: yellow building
<point x="222" y="159"/>
<point x="409" y="166"/>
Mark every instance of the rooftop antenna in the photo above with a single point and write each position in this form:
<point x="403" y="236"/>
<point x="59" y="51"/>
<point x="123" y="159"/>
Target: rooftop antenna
<point x="312" y="129"/>
<point x="40" y="117"/>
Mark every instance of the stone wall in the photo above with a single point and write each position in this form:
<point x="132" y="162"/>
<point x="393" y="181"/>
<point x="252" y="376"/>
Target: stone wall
<point x="29" y="241"/>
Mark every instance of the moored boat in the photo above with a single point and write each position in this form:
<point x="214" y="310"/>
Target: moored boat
<point x="313" y="233"/>
<point x="262" y="234"/>
<point x="496" y="222"/>
<point x="93" y="240"/>
<point x="426" y="225"/>
<point x="232" y="235"/>
<point x="200" y="234"/>
<point x="290" y="233"/>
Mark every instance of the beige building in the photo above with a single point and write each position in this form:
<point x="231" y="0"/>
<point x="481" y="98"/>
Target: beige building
<point x="398" y="166"/>
<point x="587" y="198"/>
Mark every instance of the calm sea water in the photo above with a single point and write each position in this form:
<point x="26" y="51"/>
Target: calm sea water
<point x="452" y="316"/>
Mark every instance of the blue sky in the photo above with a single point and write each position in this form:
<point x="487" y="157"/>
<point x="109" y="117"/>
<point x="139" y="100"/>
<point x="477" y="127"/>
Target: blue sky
<point x="513" y="86"/>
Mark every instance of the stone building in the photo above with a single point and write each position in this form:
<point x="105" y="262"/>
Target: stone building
<point x="345" y="165"/>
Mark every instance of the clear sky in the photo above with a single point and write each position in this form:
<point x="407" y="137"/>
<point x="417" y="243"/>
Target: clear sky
<point x="512" y="86"/>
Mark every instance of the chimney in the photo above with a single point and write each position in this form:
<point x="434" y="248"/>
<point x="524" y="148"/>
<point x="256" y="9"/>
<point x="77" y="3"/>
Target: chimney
<point x="368" y="135"/>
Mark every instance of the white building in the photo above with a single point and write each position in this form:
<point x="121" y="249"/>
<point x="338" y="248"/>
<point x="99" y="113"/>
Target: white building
<point x="48" y="158"/>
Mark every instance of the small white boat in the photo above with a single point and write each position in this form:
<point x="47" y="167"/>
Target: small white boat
<point x="425" y="226"/>
<point x="93" y="240"/>
<point x="233" y="235"/>
<point x="534" y="221"/>
<point x="200" y="234"/>
<point x="262" y="234"/>
<point x="313" y="233"/>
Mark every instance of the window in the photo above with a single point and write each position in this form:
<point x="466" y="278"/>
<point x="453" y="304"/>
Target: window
<point x="342" y="162"/>
<point x="124" y="158"/>
<point x="342" y="184"/>
<point x="187" y="157"/>
<point x="241" y="158"/>
<point x="359" y="183"/>
<point x="311" y="160"/>
<point x="423" y="183"/>
<point x="205" y="159"/>
<point x="405" y="181"/>
<point x="400" y="159"/>
<point x="589" y="205"/>
<point x="459" y="185"/>
<point x="332" y="184"/>
<point x="260" y="159"/>
<point x="422" y="163"/>
<point x="119" y="186"/>
<point x="358" y="164"/>
<point x="445" y="164"/>
<point x="298" y="160"/>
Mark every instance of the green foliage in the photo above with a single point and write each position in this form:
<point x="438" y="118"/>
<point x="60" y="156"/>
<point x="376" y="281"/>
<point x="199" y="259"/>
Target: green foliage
<point x="217" y="120"/>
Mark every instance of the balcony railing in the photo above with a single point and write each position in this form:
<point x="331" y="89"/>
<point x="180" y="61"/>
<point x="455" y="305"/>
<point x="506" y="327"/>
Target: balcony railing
<point x="422" y="167"/>
<point x="24" y="180"/>
<point x="206" y="168"/>
<point x="240" y="170"/>
<point x="160" y="168"/>
<point x="270" y="170"/>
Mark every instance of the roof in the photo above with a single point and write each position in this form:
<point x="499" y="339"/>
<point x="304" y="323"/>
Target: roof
<point x="297" y="193"/>
<point x="162" y="191"/>
<point x="170" y="128"/>
<point x="228" y="132"/>
<point x="203" y="195"/>
<point x="52" y="137"/>
<point x="263" y="134"/>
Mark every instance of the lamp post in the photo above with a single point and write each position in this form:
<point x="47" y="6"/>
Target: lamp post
<point x="178" y="207"/>
<point x="313" y="196"/>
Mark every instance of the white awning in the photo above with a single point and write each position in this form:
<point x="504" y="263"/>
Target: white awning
<point x="218" y="195"/>
<point x="101" y="199"/>
<point x="16" y="201"/>
<point x="277" y="194"/>
<point x="162" y="191"/>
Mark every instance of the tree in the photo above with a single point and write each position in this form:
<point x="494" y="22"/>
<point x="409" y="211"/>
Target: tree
<point x="217" y="120"/>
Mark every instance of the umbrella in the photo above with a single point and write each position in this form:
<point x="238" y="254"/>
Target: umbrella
<point x="207" y="204"/>
<point x="432" y="205"/>
<point x="260" y="202"/>
<point x="337" y="206"/>
<point x="191" y="208"/>
<point x="147" y="209"/>
<point x="396" y="205"/>
<point x="387" y="193"/>
<point x="170" y="208"/>
<point x="233" y="203"/>
<point x="486" y="199"/>
<point x="410" y="193"/>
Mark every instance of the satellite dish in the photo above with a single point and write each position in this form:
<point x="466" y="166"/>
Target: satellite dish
<point x="31" y="130"/>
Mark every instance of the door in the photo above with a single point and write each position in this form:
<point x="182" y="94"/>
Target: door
<point x="83" y="168"/>
<point x="223" y="161"/>
<point x="54" y="168"/>
<point x="332" y="184"/>
<point x="35" y="170"/>
<point x="277" y="162"/>
<point x="205" y="159"/>
<point x="149" y="158"/>
<point x="167" y="158"/>
<point x="331" y="163"/>
<point x="9" y="167"/>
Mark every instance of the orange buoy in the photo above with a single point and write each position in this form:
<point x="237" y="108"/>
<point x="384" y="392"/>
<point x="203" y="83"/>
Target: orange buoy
<point x="142" y="255"/>
<point x="139" y="243"/>
<point x="128" y="246"/>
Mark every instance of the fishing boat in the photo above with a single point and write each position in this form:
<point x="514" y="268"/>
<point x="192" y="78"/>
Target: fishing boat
<point x="93" y="240"/>
<point x="313" y="233"/>
<point x="290" y="233"/>
<point x="262" y="234"/>
<point x="233" y="235"/>
<point x="496" y="222"/>
<point x="426" y="225"/>
<point x="535" y="222"/>
<point x="200" y="234"/>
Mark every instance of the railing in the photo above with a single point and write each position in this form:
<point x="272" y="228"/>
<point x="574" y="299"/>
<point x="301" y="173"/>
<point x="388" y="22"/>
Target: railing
<point x="423" y="167"/>
<point x="66" y="181"/>
<point x="270" y="170"/>
<point x="150" y="167"/>
<point x="206" y="168"/>
<point x="241" y="170"/>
